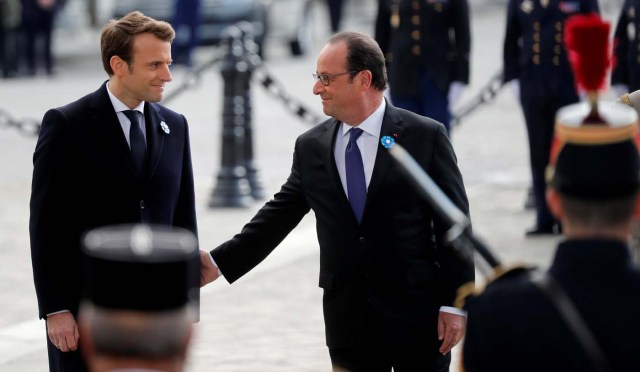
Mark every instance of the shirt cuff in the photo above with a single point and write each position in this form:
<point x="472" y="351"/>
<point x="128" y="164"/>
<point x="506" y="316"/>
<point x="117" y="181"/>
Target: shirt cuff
<point x="57" y="312"/>
<point x="214" y="264"/>
<point x="453" y="310"/>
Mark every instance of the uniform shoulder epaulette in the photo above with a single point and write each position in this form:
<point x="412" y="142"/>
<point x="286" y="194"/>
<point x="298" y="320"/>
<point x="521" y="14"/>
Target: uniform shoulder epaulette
<point x="500" y="273"/>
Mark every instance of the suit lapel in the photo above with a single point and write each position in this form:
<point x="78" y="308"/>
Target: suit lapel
<point x="390" y="127"/>
<point x="328" y="140"/>
<point x="155" y="138"/>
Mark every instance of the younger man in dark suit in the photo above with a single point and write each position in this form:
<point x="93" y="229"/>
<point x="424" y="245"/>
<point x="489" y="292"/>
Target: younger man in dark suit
<point x="389" y="282"/>
<point x="114" y="156"/>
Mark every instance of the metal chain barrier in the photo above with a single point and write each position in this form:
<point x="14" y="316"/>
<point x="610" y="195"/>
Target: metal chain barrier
<point x="487" y="93"/>
<point x="27" y="126"/>
<point x="192" y="79"/>
<point x="275" y="89"/>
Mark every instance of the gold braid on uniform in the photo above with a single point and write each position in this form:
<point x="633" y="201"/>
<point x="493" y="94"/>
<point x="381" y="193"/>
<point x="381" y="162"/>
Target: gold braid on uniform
<point x="499" y="272"/>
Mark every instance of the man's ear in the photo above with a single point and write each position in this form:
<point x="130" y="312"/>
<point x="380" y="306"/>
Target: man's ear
<point x="553" y="201"/>
<point x="117" y="65"/>
<point x="365" y="79"/>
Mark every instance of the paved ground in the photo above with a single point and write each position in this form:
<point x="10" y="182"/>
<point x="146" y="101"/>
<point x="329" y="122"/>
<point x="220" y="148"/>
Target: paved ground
<point x="271" y="319"/>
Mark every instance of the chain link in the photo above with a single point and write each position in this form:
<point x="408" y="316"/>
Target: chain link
<point x="192" y="79"/>
<point x="27" y="126"/>
<point x="274" y="88"/>
<point x="277" y="90"/>
<point x="487" y="93"/>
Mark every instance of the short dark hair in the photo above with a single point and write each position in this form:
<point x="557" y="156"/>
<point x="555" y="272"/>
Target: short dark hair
<point x="597" y="214"/>
<point x="364" y="53"/>
<point x="150" y="335"/>
<point x="118" y="36"/>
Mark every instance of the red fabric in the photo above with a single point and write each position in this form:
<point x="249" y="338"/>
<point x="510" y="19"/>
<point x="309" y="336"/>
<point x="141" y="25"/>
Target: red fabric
<point x="586" y="39"/>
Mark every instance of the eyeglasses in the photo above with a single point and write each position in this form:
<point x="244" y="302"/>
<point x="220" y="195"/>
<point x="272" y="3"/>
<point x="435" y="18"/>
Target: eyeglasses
<point x="325" y="79"/>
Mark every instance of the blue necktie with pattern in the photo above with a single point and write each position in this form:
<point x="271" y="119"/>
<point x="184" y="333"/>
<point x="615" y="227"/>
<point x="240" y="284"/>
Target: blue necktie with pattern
<point x="356" y="184"/>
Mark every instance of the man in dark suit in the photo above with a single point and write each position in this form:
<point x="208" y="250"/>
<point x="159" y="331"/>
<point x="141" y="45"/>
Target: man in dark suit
<point x="625" y="76"/>
<point x="427" y="46"/>
<point x="536" y="63"/>
<point x="516" y="324"/>
<point x="112" y="157"/>
<point x="389" y="282"/>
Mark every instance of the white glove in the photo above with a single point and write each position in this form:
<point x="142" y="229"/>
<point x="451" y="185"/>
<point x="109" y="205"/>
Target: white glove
<point x="515" y="89"/>
<point x="455" y="91"/>
<point x="620" y="89"/>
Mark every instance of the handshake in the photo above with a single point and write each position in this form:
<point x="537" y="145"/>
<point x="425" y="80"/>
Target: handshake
<point x="208" y="269"/>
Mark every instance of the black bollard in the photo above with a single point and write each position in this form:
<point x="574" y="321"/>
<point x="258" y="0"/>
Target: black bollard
<point x="232" y="188"/>
<point x="252" y="59"/>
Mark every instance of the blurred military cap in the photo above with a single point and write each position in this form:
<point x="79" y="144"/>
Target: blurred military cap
<point x="595" y="160"/>
<point x="140" y="267"/>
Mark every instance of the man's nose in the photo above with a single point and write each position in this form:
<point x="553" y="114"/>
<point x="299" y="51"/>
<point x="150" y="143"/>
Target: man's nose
<point x="165" y="74"/>
<point x="318" y="87"/>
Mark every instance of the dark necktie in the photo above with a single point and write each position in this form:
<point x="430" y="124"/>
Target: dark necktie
<point x="356" y="184"/>
<point x="136" y="142"/>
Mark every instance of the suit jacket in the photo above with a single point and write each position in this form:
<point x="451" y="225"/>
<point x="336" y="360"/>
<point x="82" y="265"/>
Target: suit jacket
<point x="412" y="47"/>
<point x="512" y="326"/>
<point x="83" y="178"/>
<point x="534" y="49"/>
<point x="627" y="53"/>
<point x="393" y="264"/>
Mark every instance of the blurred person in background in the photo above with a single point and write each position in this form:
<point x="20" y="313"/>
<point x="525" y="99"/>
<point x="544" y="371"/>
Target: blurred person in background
<point x="186" y="21"/>
<point x="625" y="76"/>
<point x="10" y="22"/>
<point x="38" y="17"/>
<point x="536" y="66"/>
<point x="427" y="46"/>
<point x="336" y="7"/>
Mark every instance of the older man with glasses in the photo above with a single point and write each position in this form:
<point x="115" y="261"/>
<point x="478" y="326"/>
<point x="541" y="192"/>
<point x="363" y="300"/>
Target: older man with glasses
<point x="389" y="283"/>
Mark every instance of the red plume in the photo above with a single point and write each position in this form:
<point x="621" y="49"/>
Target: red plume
<point x="586" y="39"/>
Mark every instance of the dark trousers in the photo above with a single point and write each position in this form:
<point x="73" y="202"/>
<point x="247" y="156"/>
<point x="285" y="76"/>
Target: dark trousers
<point x="540" y="116"/>
<point x="405" y="340"/>
<point x="71" y="361"/>
<point x="431" y="102"/>
<point x="335" y="14"/>
<point x="38" y="33"/>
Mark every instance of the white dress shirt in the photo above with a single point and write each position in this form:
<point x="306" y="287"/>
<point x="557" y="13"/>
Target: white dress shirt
<point x="125" y="123"/>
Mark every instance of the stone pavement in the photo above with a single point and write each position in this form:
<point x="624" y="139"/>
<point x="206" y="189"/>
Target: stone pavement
<point x="270" y="320"/>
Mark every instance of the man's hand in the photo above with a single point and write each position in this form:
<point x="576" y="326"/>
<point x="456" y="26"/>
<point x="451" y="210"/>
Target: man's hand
<point x="451" y="329"/>
<point x="208" y="271"/>
<point x="63" y="331"/>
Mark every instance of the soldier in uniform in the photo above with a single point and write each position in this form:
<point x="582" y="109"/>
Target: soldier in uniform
<point x="625" y="76"/>
<point x="137" y="313"/>
<point x="428" y="68"/>
<point x="633" y="99"/>
<point x="563" y="319"/>
<point x="535" y="62"/>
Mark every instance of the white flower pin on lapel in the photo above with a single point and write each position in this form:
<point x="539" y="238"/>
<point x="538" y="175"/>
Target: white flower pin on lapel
<point x="165" y="127"/>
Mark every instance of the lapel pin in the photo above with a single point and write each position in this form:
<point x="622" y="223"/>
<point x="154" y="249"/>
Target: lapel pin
<point x="387" y="142"/>
<point x="165" y="127"/>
